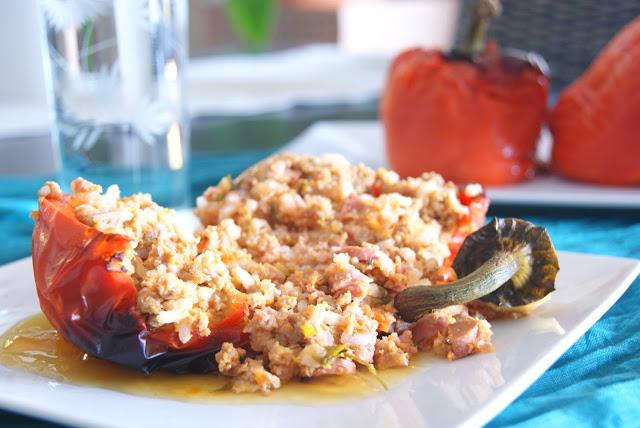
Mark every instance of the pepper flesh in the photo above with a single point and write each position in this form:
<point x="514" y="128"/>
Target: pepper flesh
<point x="95" y="308"/>
<point x="478" y="206"/>
<point x="595" y="122"/>
<point x="471" y="120"/>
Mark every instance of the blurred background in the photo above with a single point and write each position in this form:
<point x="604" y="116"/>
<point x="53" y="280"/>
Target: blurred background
<point x="262" y="71"/>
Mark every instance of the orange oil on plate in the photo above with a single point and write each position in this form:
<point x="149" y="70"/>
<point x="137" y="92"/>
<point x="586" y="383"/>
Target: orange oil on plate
<point x="32" y="345"/>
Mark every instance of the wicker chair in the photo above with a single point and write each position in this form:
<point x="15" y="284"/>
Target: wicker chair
<point x="567" y="33"/>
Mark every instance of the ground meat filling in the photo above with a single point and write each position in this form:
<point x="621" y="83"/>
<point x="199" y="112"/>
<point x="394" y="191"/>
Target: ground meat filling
<point x="453" y="333"/>
<point x="314" y="247"/>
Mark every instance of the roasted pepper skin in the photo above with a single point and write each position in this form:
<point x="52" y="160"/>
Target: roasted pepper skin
<point x="596" y="121"/>
<point x="471" y="120"/>
<point x="95" y="308"/>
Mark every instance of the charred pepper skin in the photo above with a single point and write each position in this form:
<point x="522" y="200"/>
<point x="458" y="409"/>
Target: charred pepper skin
<point x="471" y="119"/>
<point x="94" y="308"/>
<point x="595" y="123"/>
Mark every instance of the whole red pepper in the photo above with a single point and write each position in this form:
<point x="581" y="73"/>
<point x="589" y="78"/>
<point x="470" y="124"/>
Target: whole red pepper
<point x="95" y="308"/>
<point x="596" y="121"/>
<point x="473" y="115"/>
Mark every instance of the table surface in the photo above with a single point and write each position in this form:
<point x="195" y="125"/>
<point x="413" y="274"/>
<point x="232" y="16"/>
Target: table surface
<point x="595" y="383"/>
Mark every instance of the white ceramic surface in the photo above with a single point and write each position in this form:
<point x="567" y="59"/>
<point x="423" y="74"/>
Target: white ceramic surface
<point x="363" y="141"/>
<point x="468" y="392"/>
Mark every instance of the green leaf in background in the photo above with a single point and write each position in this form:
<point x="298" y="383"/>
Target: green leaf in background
<point x="252" y="21"/>
<point x="87" y="41"/>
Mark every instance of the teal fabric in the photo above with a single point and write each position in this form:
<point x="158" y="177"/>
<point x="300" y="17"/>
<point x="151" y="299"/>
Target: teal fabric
<point x="17" y="199"/>
<point x="595" y="383"/>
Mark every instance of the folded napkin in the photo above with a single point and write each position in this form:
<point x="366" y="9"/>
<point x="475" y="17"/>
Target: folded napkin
<point x="257" y="83"/>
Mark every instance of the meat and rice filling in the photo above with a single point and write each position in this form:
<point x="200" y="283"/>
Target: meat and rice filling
<point x="314" y="247"/>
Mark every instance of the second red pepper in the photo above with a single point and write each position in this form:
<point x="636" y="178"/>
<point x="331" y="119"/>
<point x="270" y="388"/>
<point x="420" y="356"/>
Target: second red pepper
<point x="472" y="116"/>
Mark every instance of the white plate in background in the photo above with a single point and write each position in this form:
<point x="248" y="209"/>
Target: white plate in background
<point x="467" y="392"/>
<point x="363" y="141"/>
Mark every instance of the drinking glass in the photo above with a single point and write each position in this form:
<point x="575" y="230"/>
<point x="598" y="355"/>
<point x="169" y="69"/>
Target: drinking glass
<point x="114" y="71"/>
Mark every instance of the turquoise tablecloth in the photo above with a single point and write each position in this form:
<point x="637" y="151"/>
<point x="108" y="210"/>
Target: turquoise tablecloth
<point x="595" y="383"/>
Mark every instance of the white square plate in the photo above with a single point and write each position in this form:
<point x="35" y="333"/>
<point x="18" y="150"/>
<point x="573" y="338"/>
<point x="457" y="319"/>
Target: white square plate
<point x="363" y="141"/>
<point x="468" y="392"/>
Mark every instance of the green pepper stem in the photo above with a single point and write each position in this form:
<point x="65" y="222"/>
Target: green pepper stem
<point x="483" y="12"/>
<point x="415" y="301"/>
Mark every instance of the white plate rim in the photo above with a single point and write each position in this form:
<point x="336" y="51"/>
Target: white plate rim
<point x="363" y="141"/>
<point x="478" y="417"/>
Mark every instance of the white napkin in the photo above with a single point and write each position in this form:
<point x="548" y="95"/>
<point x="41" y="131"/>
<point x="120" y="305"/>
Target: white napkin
<point x="23" y="120"/>
<point x="311" y="75"/>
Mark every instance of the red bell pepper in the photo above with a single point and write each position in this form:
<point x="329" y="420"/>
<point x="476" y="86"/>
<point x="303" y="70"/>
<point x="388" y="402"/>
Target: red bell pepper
<point x="95" y="308"/>
<point x="596" y="121"/>
<point x="478" y="206"/>
<point x="472" y="115"/>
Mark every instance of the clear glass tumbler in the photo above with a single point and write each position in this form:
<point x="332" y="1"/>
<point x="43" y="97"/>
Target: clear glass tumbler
<point x="115" y="72"/>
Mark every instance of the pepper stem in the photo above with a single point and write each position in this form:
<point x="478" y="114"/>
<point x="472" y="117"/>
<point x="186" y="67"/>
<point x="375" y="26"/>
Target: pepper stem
<point x="413" y="302"/>
<point x="483" y="12"/>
